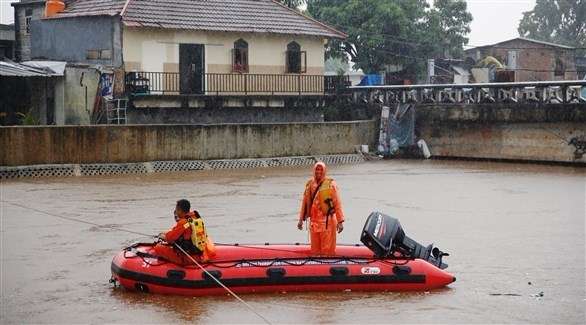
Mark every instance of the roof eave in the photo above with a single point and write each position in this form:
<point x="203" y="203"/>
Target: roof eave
<point x="135" y="24"/>
<point x="533" y="41"/>
<point x="66" y="15"/>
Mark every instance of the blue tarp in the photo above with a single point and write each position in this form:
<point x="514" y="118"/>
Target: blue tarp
<point x="397" y="129"/>
<point x="371" y="80"/>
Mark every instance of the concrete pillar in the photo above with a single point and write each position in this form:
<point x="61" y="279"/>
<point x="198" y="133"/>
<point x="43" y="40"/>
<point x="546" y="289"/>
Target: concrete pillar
<point x="60" y="101"/>
<point x="42" y="100"/>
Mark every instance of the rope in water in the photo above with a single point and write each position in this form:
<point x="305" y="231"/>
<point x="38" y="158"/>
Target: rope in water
<point x="221" y="284"/>
<point x="147" y="235"/>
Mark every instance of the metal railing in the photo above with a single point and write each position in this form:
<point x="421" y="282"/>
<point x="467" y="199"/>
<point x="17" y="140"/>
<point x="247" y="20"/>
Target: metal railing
<point x="164" y="83"/>
<point x="564" y="92"/>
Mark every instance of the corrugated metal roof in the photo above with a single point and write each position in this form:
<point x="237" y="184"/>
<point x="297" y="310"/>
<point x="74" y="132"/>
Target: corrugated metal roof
<point x="54" y="68"/>
<point x="35" y="69"/>
<point x="254" y="16"/>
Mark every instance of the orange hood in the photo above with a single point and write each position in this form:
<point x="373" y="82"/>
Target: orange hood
<point x="324" y="169"/>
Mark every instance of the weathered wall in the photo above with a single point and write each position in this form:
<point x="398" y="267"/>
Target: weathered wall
<point x="514" y="132"/>
<point x="34" y="10"/>
<point x="530" y="142"/>
<point x="223" y="115"/>
<point x="134" y="143"/>
<point x="7" y="41"/>
<point x="158" y="50"/>
<point x="70" y="39"/>
<point x="78" y="105"/>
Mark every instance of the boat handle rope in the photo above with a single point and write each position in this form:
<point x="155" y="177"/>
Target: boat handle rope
<point x="273" y="261"/>
<point x="147" y="235"/>
<point x="268" y="262"/>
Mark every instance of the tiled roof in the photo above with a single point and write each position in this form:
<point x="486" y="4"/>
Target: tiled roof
<point x="80" y="8"/>
<point x="254" y="16"/>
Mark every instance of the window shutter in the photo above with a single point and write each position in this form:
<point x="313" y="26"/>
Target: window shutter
<point x="303" y="61"/>
<point x="233" y="60"/>
<point x="295" y="61"/>
<point x="244" y="56"/>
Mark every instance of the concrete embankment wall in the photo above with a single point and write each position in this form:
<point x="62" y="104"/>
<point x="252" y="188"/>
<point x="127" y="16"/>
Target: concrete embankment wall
<point x="505" y="132"/>
<point x="207" y="115"/>
<point x="139" y="143"/>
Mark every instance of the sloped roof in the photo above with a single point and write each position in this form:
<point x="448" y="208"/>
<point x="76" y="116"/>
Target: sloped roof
<point x="541" y="42"/>
<point x="253" y="16"/>
<point x="530" y="40"/>
<point x="31" y="69"/>
<point x="81" y="8"/>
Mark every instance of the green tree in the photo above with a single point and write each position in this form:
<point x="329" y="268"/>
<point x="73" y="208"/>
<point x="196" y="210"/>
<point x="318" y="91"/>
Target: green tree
<point x="394" y="32"/>
<point x="448" y="25"/>
<point x="295" y="4"/>
<point x="557" y="21"/>
<point x="380" y="32"/>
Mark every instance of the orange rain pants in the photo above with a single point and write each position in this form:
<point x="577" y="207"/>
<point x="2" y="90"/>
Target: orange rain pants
<point x="324" y="242"/>
<point x="173" y="255"/>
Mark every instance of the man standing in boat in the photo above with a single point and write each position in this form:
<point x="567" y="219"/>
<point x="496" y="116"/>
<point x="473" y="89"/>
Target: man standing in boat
<point x="321" y="204"/>
<point x="189" y="234"/>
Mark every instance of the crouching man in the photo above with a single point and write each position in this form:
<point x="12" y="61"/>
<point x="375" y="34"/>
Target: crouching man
<point x="188" y="233"/>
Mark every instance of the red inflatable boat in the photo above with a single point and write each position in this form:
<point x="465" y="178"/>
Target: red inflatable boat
<point x="276" y="268"/>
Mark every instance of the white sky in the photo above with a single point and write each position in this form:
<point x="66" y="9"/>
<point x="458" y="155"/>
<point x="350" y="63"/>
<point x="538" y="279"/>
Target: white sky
<point x="494" y="20"/>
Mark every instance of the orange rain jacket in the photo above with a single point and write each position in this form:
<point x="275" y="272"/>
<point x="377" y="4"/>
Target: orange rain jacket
<point x="324" y="216"/>
<point x="172" y="254"/>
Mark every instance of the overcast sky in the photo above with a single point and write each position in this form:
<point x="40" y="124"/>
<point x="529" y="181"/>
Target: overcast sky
<point x="494" y="20"/>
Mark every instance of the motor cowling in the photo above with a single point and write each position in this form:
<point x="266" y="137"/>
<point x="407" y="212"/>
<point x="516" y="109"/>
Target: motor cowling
<point x="385" y="237"/>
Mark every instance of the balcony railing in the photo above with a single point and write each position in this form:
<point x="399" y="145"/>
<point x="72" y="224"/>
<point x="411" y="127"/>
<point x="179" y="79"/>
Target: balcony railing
<point x="169" y="83"/>
<point x="563" y="92"/>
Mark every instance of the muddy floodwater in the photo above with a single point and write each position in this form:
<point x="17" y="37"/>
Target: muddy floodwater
<point x="515" y="232"/>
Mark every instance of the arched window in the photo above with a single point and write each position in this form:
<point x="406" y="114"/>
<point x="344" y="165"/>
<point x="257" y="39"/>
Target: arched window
<point x="296" y="59"/>
<point x="240" y="56"/>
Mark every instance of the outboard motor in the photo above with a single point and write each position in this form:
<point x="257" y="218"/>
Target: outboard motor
<point x="384" y="236"/>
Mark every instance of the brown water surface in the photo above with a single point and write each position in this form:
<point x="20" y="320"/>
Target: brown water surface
<point x="505" y="225"/>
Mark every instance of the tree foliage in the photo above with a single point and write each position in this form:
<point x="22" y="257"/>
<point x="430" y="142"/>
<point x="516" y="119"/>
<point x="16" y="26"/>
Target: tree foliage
<point x="394" y="32"/>
<point x="295" y="4"/>
<point x="449" y="23"/>
<point x="556" y="21"/>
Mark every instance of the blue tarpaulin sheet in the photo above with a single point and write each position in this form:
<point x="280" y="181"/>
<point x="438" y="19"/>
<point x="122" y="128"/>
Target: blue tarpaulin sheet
<point x="397" y="129"/>
<point x="371" y="80"/>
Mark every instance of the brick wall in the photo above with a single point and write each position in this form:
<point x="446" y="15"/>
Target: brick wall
<point x="535" y="62"/>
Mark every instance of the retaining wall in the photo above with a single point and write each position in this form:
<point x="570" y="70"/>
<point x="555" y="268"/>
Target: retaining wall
<point x="142" y="143"/>
<point x="207" y="115"/>
<point x="531" y="132"/>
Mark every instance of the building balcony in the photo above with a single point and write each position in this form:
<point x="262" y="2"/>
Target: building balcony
<point x="144" y="83"/>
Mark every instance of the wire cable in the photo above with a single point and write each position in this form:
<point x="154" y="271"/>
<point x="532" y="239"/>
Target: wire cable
<point x="143" y="234"/>
<point x="222" y="285"/>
